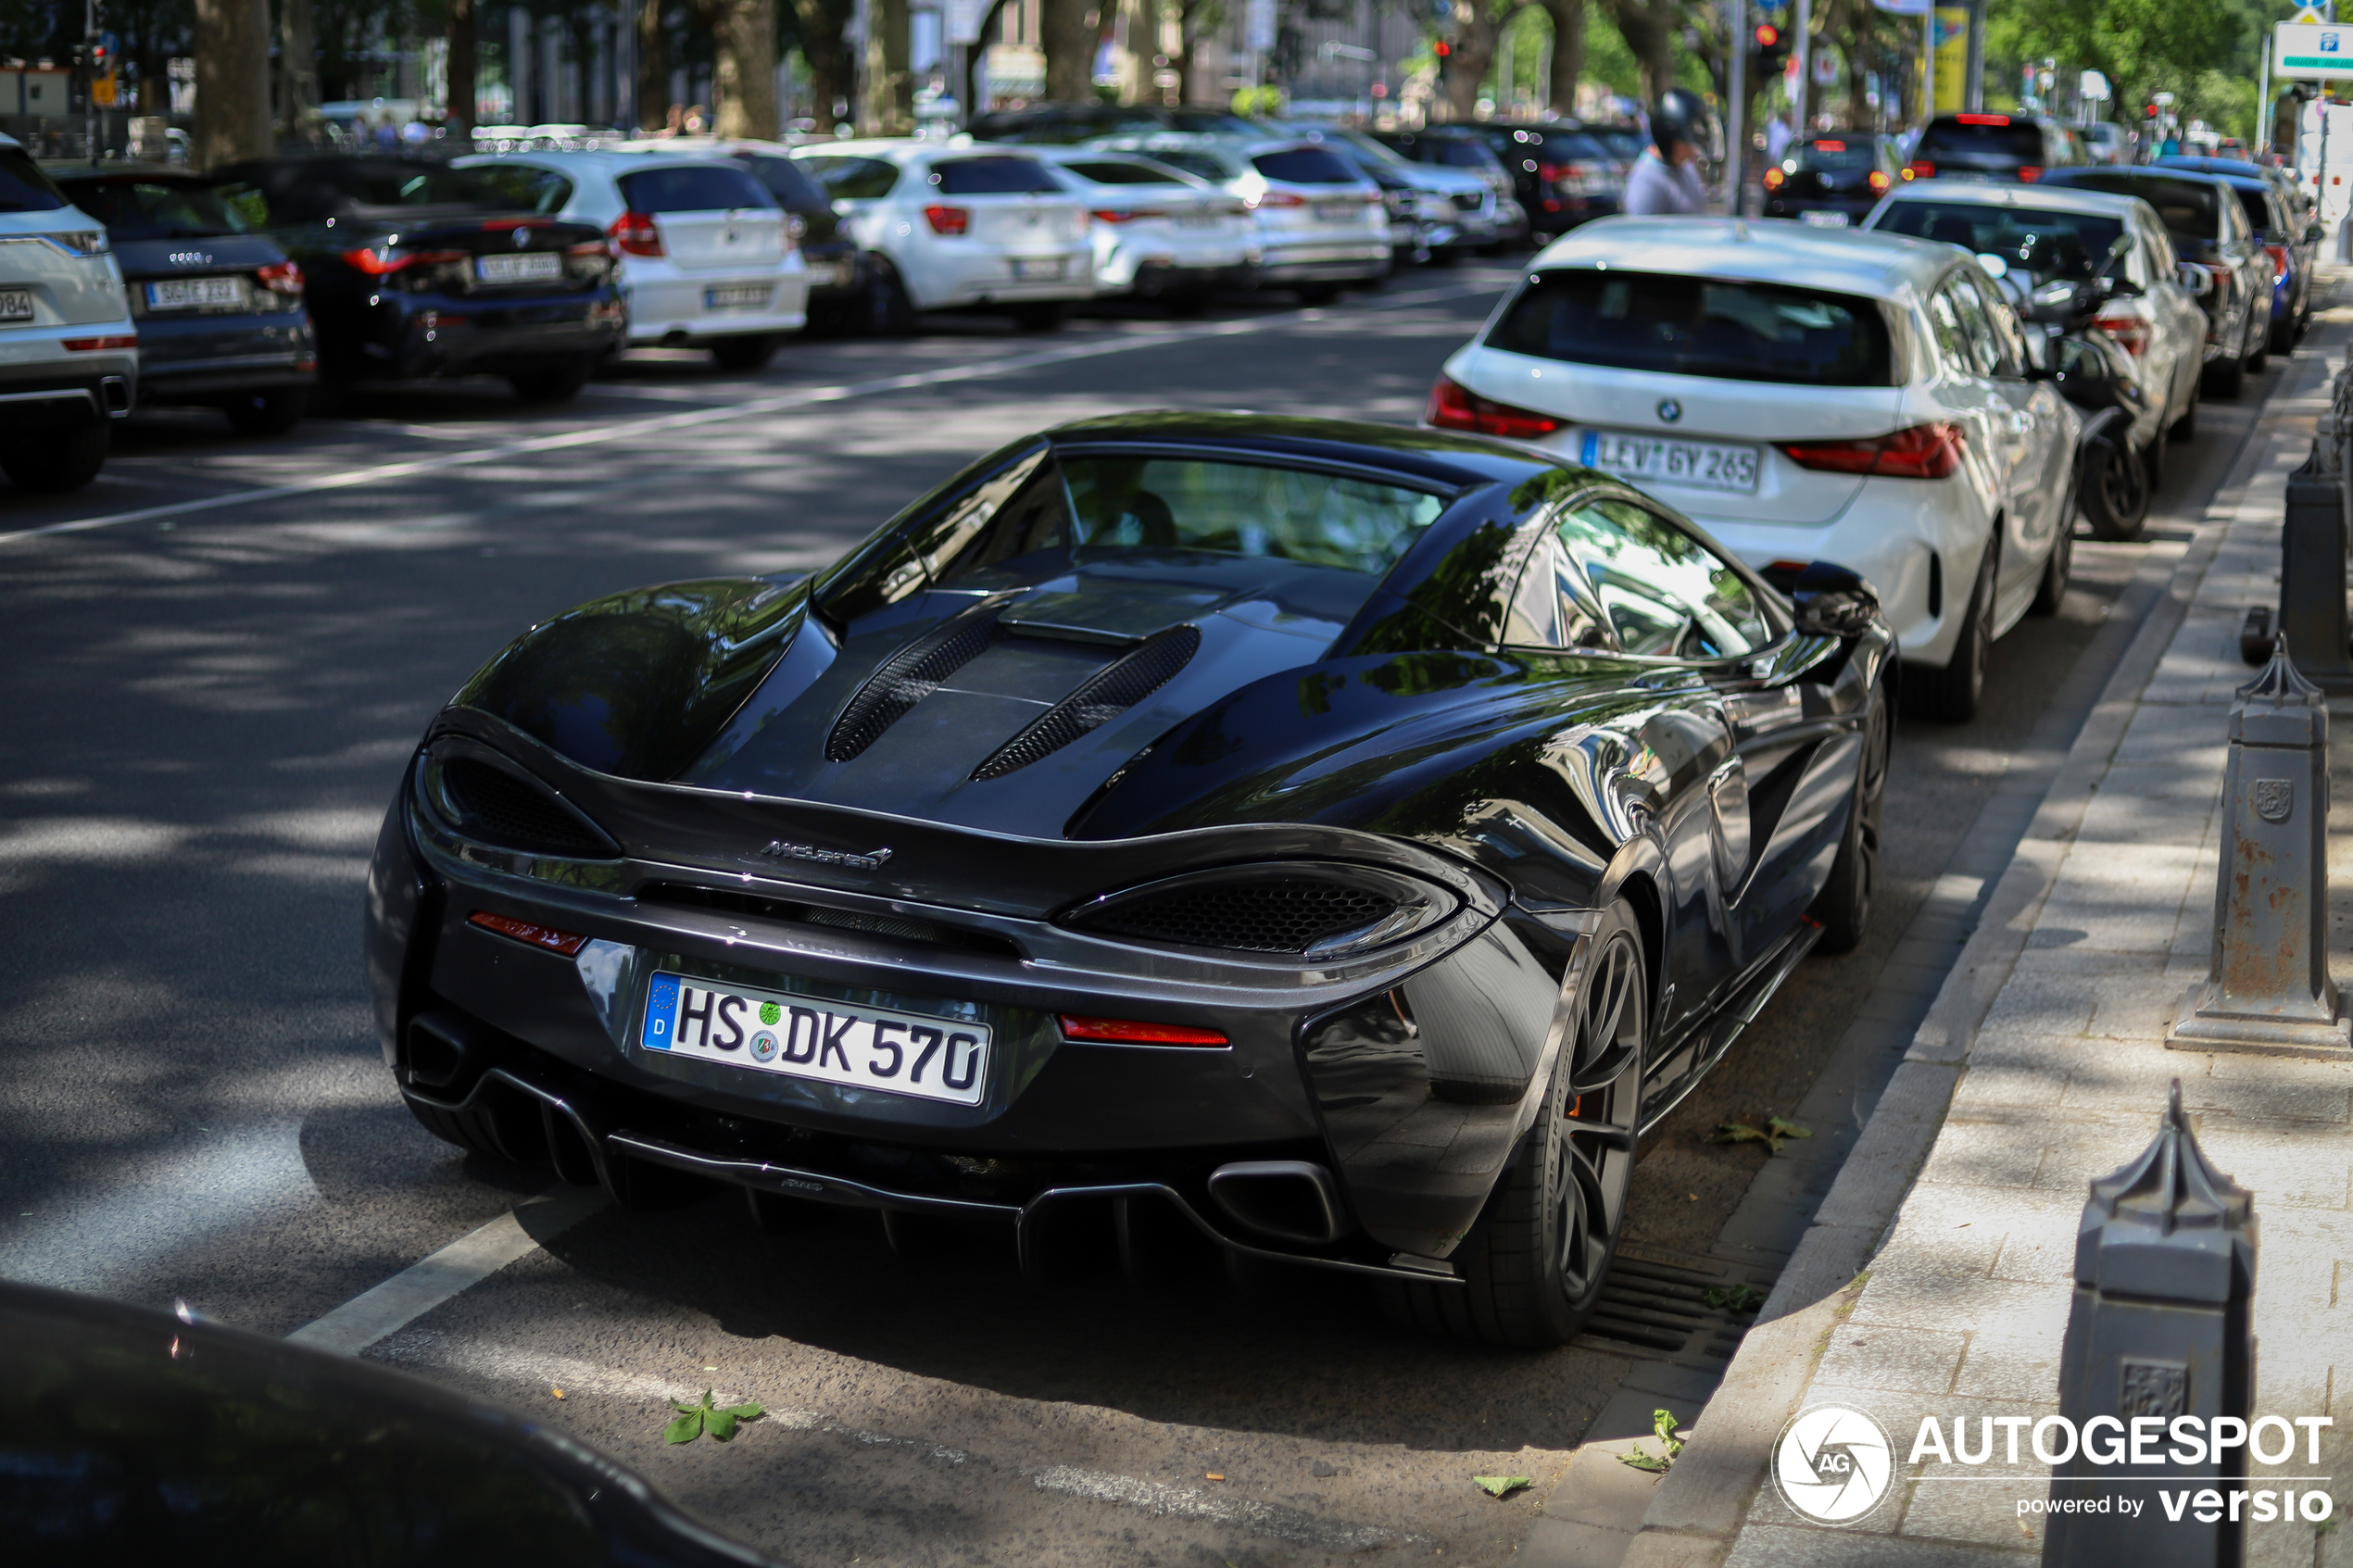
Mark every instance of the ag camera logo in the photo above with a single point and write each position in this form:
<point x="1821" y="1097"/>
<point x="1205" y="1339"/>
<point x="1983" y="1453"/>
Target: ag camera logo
<point x="1833" y="1465"/>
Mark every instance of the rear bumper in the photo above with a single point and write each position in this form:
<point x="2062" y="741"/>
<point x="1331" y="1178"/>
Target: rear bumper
<point x="1324" y="260"/>
<point x="678" y="308"/>
<point x="1153" y="279"/>
<point x="422" y="336"/>
<point x="186" y="361"/>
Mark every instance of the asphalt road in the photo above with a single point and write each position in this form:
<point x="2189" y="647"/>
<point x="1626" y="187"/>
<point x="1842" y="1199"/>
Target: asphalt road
<point x="217" y="658"/>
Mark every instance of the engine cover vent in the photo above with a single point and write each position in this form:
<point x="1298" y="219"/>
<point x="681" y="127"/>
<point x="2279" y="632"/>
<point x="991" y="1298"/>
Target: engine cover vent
<point x="911" y="674"/>
<point x="1111" y="691"/>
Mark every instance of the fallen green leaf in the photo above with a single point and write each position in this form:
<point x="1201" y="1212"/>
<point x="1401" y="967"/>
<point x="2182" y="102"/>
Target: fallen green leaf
<point x="1787" y="1128"/>
<point x="1663" y="1426"/>
<point x="696" y="1419"/>
<point x="1638" y="1460"/>
<point x="1777" y="1130"/>
<point x="1499" y="1486"/>
<point x="686" y="1429"/>
<point x="1733" y="1298"/>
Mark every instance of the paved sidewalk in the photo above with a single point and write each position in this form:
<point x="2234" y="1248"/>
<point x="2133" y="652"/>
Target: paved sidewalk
<point x="2040" y="1066"/>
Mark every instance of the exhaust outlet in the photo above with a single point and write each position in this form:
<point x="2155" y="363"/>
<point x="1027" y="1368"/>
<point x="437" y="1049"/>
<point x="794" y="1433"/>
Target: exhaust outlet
<point x="1289" y="1199"/>
<point x="115" y="393"/>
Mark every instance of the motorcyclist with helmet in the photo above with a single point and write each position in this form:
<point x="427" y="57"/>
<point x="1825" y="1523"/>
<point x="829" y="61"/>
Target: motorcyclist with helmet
<point x="1666" y="179"/>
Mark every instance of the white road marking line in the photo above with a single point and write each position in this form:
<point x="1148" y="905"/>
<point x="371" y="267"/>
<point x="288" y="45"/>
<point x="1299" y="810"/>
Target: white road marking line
<point x="1185" y="1503"/>
<point x="603" y="433"/>
<point x="465" y="1262"/>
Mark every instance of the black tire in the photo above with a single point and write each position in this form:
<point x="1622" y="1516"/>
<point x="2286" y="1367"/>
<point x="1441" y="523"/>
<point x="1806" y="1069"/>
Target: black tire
<point x="889" y="310"/>
<point x="1044" y="315"/>
<point x="747" y="353"/>
<point x="2185" y="428"/>
<point x="2050" y="591"/>
<point x="559" y="380"/>
<point x="1316" y="294"/>
<point x="2225" y="378"/>
<point x="2285" y="336"/>
<point x="58" y="461"/>
<point x="2260" y="354"/>
<point x="470" y="1129"/>
<point x="1843" y="906"/>
<point x="1186" y="302"/>
<point x="1951" y="694"/>
<point x="1534" y="1264"/>
<point x="2114" y="493"/>
<point x="274" y="412"/>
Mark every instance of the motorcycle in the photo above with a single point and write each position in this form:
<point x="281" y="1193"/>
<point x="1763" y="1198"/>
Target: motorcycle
<point x="2116" y="472"/>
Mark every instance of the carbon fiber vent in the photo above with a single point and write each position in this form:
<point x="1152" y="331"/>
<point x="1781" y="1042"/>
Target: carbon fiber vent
<point x="497" y="808"/>
<point x="913" y="674"/>
<point x="1107" y="693"/>
<point x="1286" y="914"/>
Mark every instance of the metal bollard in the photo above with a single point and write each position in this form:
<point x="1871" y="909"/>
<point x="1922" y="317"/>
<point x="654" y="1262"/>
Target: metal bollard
<point x="2312" y="547"/>
<point x="2268" y="989"/>
<point x="2164" y="1272"/>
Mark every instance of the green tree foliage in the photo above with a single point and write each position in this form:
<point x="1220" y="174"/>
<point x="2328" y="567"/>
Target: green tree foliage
<point x="2207" y="54"/>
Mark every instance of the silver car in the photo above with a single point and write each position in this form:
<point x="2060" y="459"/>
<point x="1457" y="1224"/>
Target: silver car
<point x="1321" y="223"/>
<point x="68" y="352"/>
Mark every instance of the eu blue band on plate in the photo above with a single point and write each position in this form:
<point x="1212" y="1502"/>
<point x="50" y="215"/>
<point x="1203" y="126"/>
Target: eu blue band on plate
<point x="661" y="1014"/>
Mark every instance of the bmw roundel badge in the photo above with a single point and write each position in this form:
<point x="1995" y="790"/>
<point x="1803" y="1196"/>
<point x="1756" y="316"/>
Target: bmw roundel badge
<point x="1669" y="410"/>
<point x="521" y="238"/>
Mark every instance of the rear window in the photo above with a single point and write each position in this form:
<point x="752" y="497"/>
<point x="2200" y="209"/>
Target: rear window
<point x="156" y="210"/>
<point x="2258" y="210"/>
<point x="2061" y="245"/>
<point x="1699" y="327"/>
<point x="528" y="189"/>
<point x="1833" y="153"/>
<point x="2010" y="141"/>
<point x="853" y="178"/>
<point x="992" y="177"/>
<point x="1206" y="164"/>
<point x="1307" y="165"/>
<point x="1123" y="174"/>
<point x="693" y="189"/>
<point x="2188" y="207"/>
<point x="787" y="182"/>
<point x="23" y="188"/>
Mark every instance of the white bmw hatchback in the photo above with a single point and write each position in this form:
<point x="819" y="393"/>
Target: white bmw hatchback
<point x="1805" y="394"/>
<point x="707" y="259"/>
<point x="947" y="226"/>
<point x="1160" y="233"/>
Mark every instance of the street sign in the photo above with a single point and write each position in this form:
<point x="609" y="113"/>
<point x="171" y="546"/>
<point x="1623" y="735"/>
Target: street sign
<point x="2312" y="52"/>
<point x="2094" y="86"/>
<point x="2309" y="16"/>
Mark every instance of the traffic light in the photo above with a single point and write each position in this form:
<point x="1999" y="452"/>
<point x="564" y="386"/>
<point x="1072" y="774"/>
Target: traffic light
<point x="1445" y="51"/>
<point x="2150" y="113"/>
<point x="1772" y="51"/>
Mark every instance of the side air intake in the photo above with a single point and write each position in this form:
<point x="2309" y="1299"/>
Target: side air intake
<point x="913" y="674"/>
<point x="1110" y="692"/>
<point x="494" y="806"/>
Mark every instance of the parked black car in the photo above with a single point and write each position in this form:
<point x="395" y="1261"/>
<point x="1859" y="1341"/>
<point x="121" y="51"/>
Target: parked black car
<point x="218" y="304"/>
<point x="1563" y="174"/>
<point x="136" y="1436"/>
<point x="2211" y="236"/>
<point x="1994" y="147"/>
<point x="1334" y="842"/>
<point x="1834" y="180"/>
<point x="837" y="288"/>
<point x="2284" y="226"/>
<point x="415" y="271"/>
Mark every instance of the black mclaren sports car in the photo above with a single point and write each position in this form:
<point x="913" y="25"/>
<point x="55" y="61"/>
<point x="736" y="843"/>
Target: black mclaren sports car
<point x="1334" y="840"/>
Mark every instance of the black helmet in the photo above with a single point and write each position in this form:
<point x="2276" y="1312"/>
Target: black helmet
<point x="1681" y="115"/>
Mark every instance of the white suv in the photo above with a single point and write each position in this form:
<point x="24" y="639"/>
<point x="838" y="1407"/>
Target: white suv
<point x="68" y="354"/>
<point x="707" y="259"/>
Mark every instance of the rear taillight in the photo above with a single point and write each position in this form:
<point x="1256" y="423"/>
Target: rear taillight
<point x="2131" y="333"/>
<point x="1878" y="181"/>
<point x="1106" y="215"/>
<point x="1928" y="451"/>
<point x="1455" y="407"/>
<point x="1576" y="179"/>
<point x="2029" y="173"/>
<point x="99" y="344"/>
<point x="279" y="277"/>
<point x="1134" y="1032"/>
<point x="523" y="930"/>
<point x="949" y="220"/>
<point x="1919" y="168"/>
<point x="1774" y="179"/>
<point x="1280" y="198"/>
<point x="2279" y="263"/>
<point x="381" y="263"/>
<point x="634" y="233"/>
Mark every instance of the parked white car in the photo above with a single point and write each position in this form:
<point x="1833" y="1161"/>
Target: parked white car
<point x="68" y="352"/>
<point x="1159" y="232"/>
<point x="708" y="257"/>
<point x="951" y="227"/>
<point x="1805" y="394"/>
<point x="1321" y="221"/>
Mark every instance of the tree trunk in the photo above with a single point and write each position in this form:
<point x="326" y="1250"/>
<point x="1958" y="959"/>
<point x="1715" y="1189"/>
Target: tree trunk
<point x="653" y="67"/>
<point x="1069" y="38"/>
<point x="462" y="62"/>
<point x="232" y="80"/>
<point x="967" y="91"/>
<point x="1568" y="53"/>
<point x="744" y="79"/>
<point x="830" y="82"/>
<point x="1649" y="31"/>
<point x="889" y="108"/>
<point x="1474" y="53"/>
<point x="298" y="72"/>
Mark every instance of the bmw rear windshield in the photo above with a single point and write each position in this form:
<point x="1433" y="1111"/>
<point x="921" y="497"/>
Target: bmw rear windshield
<point x="693" y="189"/>
<point x="993" y="177"/>
<point x="1998" y="138"/>
<point x="1688" y="326"/>
<point x="1308" y="166"/>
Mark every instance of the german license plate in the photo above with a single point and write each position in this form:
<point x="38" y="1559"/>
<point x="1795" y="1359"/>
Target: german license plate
<point x="543" y="267"/>
<point x="16" y="305"/>
<point x="1701" y="465"/>
<point x="1038" y="269"/>
<point x="738" y="296"/>
<point x="856" y="1048"/>
<point x="183" y="293"/>
<point x="1825" y="219"/>
<point x="1339" y="212"/>
<point x="1197" y="220"/>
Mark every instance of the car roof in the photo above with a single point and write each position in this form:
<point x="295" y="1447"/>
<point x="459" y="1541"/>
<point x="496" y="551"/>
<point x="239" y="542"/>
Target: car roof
<point x="2041" y="197"/>
<point x="118" y="168"/>
<point x="1442" y="456"/>
<point x="910" y="149"/>
<point x="610" y="160"/>
<point x="1857" y="261"/>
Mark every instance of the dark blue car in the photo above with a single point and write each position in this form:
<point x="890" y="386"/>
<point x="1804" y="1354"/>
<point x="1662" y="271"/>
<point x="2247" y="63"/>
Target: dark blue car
<point x="2289" y="237"/>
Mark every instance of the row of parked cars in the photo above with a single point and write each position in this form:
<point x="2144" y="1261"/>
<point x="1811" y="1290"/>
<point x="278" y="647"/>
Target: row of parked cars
<point x="264" y="286"/>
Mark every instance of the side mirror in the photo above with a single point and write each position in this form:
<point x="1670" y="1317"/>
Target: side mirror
<point x="2197" y="279"/>
<point x="1833" y="602"/>
<point x="2038" y="352"/>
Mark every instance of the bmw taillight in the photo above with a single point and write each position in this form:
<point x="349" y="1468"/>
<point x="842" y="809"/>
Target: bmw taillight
<point x="2029" y="173"/>
<point x="1927" y="451"/>
<point x="2279" y="263"/>
<point x="279" y="277"/>
<point x="951" y="221"/>
<point x="1455" y="407"/>
<point x="383" y="262"/>
<point x="1919" y="168"/>
<point x="2131" y="332"/>
<point x="634" y="233"/>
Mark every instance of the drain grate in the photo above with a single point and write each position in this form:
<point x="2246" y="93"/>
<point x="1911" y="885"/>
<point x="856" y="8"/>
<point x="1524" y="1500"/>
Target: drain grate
<point x="1655" y="1306"/>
